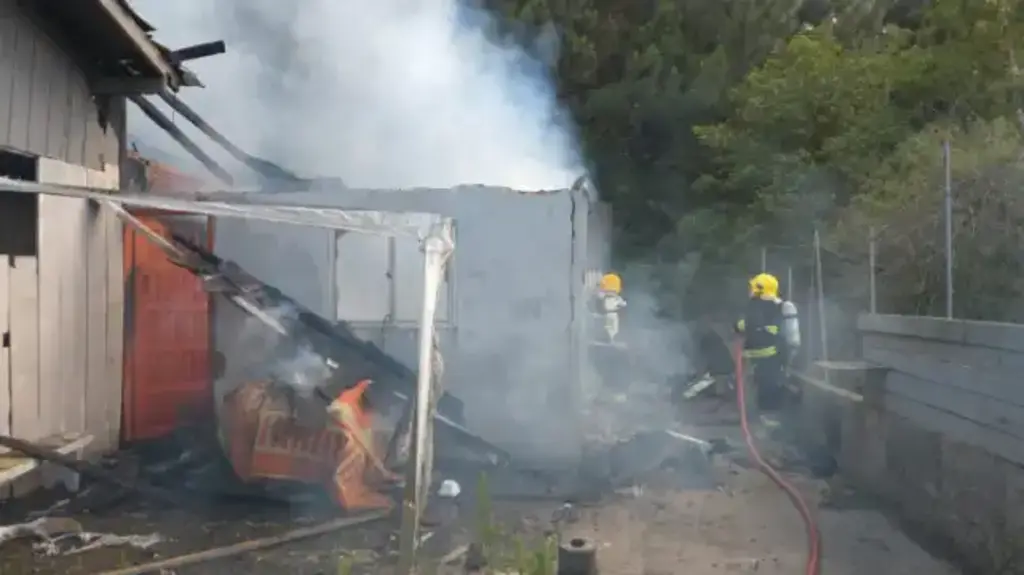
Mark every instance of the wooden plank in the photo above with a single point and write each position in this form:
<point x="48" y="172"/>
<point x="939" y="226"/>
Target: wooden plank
<point x="950" y="352"/>
<point x="96" y="135"/>
<point x="5" y="368"/>
<point x="924" y="327"/>
<point x="63" y="300"/>
<point x="8" y="40"/>
<point x="19" y="466"/>
<point x="115" y="315"/>
<point x="996" y="383"/>
<point x="827" y="387"/>
<point x="103" y="389"/>
<point x="24" y="320"/>
<point x="79" y="112"/>
<point x="5" y="360"/>
<point x="73" y="310"/>
<point x="51" y="322"/>
<point x="97" y="395"/>
<point x="21" y="93"/>
<point x="957" y="428"/>
<point x="58" y="121"/>
<point x="44" y="66"/>
<point x="981" y="409"/>
<point x="74" y="302"/>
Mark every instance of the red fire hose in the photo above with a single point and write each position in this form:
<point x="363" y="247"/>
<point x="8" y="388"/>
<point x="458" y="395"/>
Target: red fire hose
<point x="813" y="538"/>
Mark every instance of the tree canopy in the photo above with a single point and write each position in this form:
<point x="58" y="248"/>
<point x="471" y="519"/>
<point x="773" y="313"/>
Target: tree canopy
<point x="717" y="128"/>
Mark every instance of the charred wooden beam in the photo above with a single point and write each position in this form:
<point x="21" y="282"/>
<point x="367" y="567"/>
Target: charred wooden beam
<point x="127" y="86"/>
<point x="262" y="167"/>
<point x="197" y="51"/>
<point x="122" y="15"/>
<point x="87" y="469"/>
<point x="165" y="123"/>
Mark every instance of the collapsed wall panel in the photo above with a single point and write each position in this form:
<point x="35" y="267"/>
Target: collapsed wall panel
<point x="514" y="291"/>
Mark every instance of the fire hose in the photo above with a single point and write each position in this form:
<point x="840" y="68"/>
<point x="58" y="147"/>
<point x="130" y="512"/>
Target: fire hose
<point x="813" y="537"/>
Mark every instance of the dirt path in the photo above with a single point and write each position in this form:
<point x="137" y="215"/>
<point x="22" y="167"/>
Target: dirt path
<point x="747" y="527"/>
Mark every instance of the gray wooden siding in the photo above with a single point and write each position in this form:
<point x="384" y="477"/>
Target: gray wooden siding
<point x="958" y="378"/>
<point x="45" y="105"/>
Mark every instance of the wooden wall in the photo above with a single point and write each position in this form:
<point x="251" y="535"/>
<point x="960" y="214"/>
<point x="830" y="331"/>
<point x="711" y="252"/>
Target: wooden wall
<point x="938" y="433"/>
<point x="958" y="378"/>
<point x="60" y="370"/>
<point x="46" y="108"/>
<point x="63" y="310"/>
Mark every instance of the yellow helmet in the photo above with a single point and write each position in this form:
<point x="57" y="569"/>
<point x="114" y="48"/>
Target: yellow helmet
<point x="764" y="285"/>
<point x="610" y="282"/>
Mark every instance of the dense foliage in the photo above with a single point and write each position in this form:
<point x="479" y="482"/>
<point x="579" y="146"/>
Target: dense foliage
<point x="716" y="128"/>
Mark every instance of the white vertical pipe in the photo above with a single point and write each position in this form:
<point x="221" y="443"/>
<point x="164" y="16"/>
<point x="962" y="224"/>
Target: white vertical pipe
<point x="420" y="445"/>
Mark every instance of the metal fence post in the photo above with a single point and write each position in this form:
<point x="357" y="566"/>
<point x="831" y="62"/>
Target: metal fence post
<point x="822" y="322"/>
<point x="789" y="283"/>
<point x="871" y="271"/>
<point x="764" y="260"/>
<point x="949" y="228"/>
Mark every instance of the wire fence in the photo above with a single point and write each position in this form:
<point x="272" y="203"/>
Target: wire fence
<point x="955" y="252"/>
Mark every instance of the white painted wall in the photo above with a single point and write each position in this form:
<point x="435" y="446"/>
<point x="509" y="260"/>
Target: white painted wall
<point x="64" y="310"/>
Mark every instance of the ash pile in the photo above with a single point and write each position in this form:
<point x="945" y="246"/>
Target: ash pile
<point x="631" y="441"/>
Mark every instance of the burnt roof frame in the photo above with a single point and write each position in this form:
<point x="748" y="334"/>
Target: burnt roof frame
<point x="112" y="44"/>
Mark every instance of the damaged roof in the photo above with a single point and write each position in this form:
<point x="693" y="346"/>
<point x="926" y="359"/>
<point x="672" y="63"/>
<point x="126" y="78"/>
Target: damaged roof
<point x="112" y="40"/>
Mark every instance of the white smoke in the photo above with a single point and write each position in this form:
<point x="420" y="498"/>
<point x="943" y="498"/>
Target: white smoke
<point x="394" y="93"/>
<point x="388" y="93"/>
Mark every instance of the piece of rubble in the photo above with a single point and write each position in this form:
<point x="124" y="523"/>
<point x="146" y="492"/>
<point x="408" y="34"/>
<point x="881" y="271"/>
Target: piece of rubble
<point x="685" y="458"/>
<point x="577" y="556"/>
<point x="91" y="541"/>
<point x="45" y="528"/>
<point x="706" y="381"/>
<point x="567" y="514"/>
<point x="475" y="558"/>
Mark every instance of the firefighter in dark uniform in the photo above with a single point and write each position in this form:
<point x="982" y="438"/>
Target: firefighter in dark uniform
<point x="771" y="338"/>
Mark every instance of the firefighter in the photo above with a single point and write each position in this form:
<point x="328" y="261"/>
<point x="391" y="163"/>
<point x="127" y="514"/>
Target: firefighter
<point x="609" y="303"/>
<point x="771" y="338"/>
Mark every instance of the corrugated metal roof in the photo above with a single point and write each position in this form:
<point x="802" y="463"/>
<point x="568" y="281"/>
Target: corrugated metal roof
<point x="407" y="224"/>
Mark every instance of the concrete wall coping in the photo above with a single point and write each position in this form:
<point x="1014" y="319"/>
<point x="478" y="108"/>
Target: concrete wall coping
<point x="1008" y="336"/>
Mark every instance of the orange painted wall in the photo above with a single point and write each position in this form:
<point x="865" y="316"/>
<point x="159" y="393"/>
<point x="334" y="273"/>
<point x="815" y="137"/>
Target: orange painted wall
<point x="167" y="328"/>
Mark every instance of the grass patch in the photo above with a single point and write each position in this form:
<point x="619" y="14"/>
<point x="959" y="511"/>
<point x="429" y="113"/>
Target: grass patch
<point x="505" y="551"/>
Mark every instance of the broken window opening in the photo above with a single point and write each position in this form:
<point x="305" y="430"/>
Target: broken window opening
<point x="19" y="212"/>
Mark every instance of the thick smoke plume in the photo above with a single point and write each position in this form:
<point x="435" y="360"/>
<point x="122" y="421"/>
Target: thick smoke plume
<point x="381" y="94"/>
<point x="387" y="94"/>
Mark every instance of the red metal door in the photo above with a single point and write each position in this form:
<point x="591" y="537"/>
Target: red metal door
<point x="167" y="332"/>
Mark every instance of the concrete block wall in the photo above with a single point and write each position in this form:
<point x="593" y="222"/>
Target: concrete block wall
<point x="941" y="437"/>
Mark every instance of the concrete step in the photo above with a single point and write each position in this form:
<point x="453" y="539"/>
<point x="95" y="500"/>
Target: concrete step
<point x="857" y="377"/>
